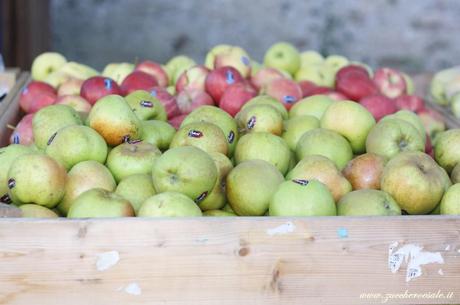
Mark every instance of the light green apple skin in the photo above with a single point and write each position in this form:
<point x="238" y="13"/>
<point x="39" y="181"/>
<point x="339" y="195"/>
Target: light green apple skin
<point x="315" y="105"/>
<point x="7" y="155"/>
<point x="326" y="143"/>
<point x="310" y="57"/>
<point x="36" y="178"/>
<point x="157" y="133"/>
<point x="296" y="126"/>
<point x="455" y="105"/>
<point x="36" y="211"/>
<point x="49" y="120"/>
<point x="118" y="71"/>
<point x="77" y="70"/>
<point x="264" y="118"/>
<point x="255" y="67"/>
<point x="169" y="204"/>
<point x="223" y="164"/>
<point x="76" y="143"/>
<point x="415" y="181"/>
<point x="292" y="161"/>
<point x="368" y="202"/>
<point x="446" y="149"/>
<point x="136" y="189"/>
<point x="235" y="57"/>
<point x="295" y="199"/>
<point x="409" y="117"/>
<point x="439" y="83"/>
<point x="437" y="210"/>
<point x="228" y="208"/>
<point x="268" y="100"/>
<point x="450" y="203"/>
<point x="211" y="55"/>
<point x="206" y="136"/>
<point x="336" y="62"/>
<point x="176" y="66"/>
<point x="455" y="174"/>
<point x="392" y="136"/>
<point x="82" y="177"/>
<point x="320" y="74"/>
<point x="100" y="203"/>
<point x="351" y="120"/>
<point x="410" y="88"/>
<point x="56" y="79"/>
<point x="250" y="186"/>
<point x="219" y="117"/>
<point x="218" y="213"/>
<point x="114" y="120"/>
<point x="132" y="158"/>
<point x="283" y="56"/>
<point x="145" y="106"/>
<point x="264" y="146"/>
<point x="186" y="169"/>
<point x="45" y="64"/>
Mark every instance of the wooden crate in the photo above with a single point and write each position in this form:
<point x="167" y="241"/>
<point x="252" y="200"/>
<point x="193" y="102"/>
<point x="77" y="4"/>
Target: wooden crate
<point x="241" y="260"/>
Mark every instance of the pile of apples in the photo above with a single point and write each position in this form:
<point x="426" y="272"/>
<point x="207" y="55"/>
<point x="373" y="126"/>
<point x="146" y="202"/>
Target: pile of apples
<point x="445" y="89"/>
<point x="300" y="135"/>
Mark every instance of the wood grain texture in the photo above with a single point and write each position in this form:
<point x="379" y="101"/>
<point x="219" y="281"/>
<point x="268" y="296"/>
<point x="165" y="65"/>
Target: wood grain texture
<point x="222" y="260"/>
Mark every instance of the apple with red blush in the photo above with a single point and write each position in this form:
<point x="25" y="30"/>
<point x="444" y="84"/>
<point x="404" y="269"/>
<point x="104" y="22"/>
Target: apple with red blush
<point x="23" y="134"/>
<point x="137" y="80"/>
<point x="177" y="121"/>
<point x="379" y="105"/>
<point x="35" y="96"/>
<point x="219" y="79"/>
<point x="155" y="70"/>
<point x="96" y="87"/>
<point x="168" y="100"/>
<point x="390" y="82"/>
<point x="235" y="96"/>
<point x="410" y="102"/>
<point x="192" y="78"/>
<point x="287" y="91"/>
<point x="265" y="75"/>
<point x="189" y="99"/>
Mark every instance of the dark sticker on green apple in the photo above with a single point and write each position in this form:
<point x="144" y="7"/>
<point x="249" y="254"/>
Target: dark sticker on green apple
<point x="6" y="199"/>
<point x="146" y="104"/>
<point x="51" y="138"/>
<point x="289" y="99"/>
<point x="252" y="122"/>
<point x="16" y="139"/>
<point x="230" y="78"/>
<point x="126" y="139"/>
<point x="231" y="137"/>
<point x="195" y="134"/>
<point x="201" y="197"/>
<point x="301" y="182"/>
<point x="134" y="141"/>
<point x="108" y="84"/>
<point x="11" y="183"/>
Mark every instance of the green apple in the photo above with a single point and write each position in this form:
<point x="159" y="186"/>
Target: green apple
<point x="267" y="100"/>
<point x="56" y="79"/>
<point x="450" y="203"/>
<point x="136" y="189"/>
<point x="228" y="208"/>
<point x="186" y="169"/>
<point x="177" y="65"/>
<point x="455" y="174"/>
<point x="302" y="198"/>
<point x="77" y="70"/>
<point x="36" y="211"/>
<point x="264" y="146"/>
<point x="47" y="121"/>
<point x="218" y="117"/>
<point x="283" y="56"/>
<point x="310" y="57"/>
<point x="169" y="204"/>
<point x="314" y="105"/>
<point x="118" y="71"/>
<point x="75" y="143"/>
<point x="114" y="120"/>
<point x="326" y="143"/>
<point x="250" y="186"/>
<point x="146" y="106"/>
<point x="36" y="178"/>
<point x="207" y="136"/>
<point x="45" y="64"/>
<point x="292" y="161"/>
<point x="7" y="155"/>
<point x="255" y="67"/>
<point x="439" y="82"/>
<point x="410" y="88"/>
<point x="368" y="203"/>
<point x="98" y="203"/>
<point x="158" y="133"/>
<point x="132" y="158"/>
<point x="337" y="62"/>
<point x="296" y="126"/>
<point x="409" y="117"/>
<point x="82" y="177"/>
<point x="390" y="137"/>
<point x="351" y="120"/>
<point x="260" y="118"/>
<point x="455" y="105"/>
<point x="223" y="164"/>
<point x="415" y="181"/>
<point x="218" y="213"/>
<point x="316" y="167"/>
<point x="446" y="149"/>
<point x="211" y="55"/>
<point x="320" y="74"/>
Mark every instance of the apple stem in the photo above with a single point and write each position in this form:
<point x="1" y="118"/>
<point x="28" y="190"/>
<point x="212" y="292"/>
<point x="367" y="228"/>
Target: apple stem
<point x="9" y="126"/>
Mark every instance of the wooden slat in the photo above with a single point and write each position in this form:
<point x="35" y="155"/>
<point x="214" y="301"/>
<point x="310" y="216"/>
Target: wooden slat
<point x="223" y="260"/>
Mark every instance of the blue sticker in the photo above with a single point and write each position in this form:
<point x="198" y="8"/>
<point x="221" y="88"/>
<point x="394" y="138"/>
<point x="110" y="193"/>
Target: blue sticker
<point x="201" y="197"/>
<point x="302" y="182"/>
<point x="342" y="232"/>
<point x="146" y="104"/>
<point x="195" y="134"/>
<point x="251" y="123"/>
<point x="25" y="90"/>
<point x="231" y="137"/>
<point x="153" y="93"/>
<point x="230" y="78"/>
<point x="108" y="84"/>
<point x="16" y="138"/>
<point x="289" y="99"/>
<point x="245" y="60"/>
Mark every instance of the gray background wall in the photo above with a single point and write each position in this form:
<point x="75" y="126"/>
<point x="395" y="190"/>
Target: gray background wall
<point x="415" y="35"/>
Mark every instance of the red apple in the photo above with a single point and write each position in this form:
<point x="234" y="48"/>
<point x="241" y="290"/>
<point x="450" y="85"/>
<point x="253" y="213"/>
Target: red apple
<point x="284" y="90"/>
<point x="177" y="120"/>
<point x="35" y="96"/>
<point x="155" y="70"/>
<point x="320" y="90"/>
<point x="379" y="105"/>
<point x="168" y="101"/>
<point x="192" y="78"/>
<point x="410" y="102"/>
<point x="23" y="134"/>
<point x="432" y="120"/>
<point x="97" y="87"/>
<point x="365" y="171"/>
<point x="70" y="87"/>
<point x="219" y="79"/>
<point x="235" y="96"/>
<point x="75" y="101"/>
<point x="265" y="76"/>
<point x="429" y="146"/>
<point x="355" y="84"/>
<point x="390" y="82"/>
<point x="306" y="86"/>
<point x="189" y="99"/>
<point x="351" y="68"/>
<point x="137" y="80"/>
